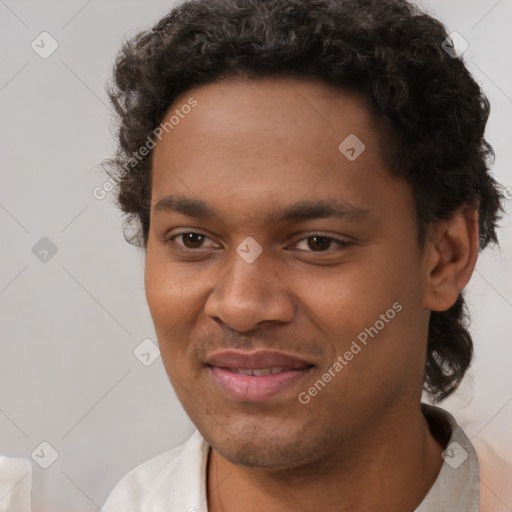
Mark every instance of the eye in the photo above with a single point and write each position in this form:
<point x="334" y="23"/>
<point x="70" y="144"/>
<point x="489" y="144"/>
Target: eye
<point x="190" y="240"/>
<point x="322" y="243"/>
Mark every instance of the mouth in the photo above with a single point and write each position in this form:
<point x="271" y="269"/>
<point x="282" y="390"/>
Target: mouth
<point x="256" y="376"/>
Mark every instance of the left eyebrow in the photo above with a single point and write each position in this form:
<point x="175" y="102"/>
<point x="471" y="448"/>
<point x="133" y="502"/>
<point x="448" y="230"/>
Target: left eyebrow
<point x="300" y="211"/>
<point x="323" y="209"/>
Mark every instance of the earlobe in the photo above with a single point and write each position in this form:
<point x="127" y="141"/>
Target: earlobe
<point x="453" y="250"/>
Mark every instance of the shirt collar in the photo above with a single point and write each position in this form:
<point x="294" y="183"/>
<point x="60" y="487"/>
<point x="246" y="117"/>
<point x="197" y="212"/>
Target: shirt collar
<point x="457" y="485"/>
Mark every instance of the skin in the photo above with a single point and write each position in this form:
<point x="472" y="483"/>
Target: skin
<point x="362" y="442"/>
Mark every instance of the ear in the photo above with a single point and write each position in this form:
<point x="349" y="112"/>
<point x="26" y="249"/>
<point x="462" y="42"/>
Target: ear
<point x="451" y="252"/>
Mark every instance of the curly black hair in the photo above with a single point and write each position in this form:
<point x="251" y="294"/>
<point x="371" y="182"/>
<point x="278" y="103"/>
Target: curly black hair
<point x="388" y="50"/>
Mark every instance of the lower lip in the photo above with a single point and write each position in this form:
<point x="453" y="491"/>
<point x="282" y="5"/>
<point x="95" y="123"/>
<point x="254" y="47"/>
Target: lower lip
<point x="252" y="388"/>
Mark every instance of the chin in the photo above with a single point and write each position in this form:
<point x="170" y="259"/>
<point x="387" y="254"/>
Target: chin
<point x="260" y="446"/>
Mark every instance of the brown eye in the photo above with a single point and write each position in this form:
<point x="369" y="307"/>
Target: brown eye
<point x="190" y="240"/>
<point x="321" y="243"/>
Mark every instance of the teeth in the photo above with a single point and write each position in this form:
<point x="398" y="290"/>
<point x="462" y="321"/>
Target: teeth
<point x="259" y="372"/>
<point x="262" y="371"/>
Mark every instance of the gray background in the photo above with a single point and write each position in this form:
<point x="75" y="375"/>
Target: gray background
<point x="69" y="325"/>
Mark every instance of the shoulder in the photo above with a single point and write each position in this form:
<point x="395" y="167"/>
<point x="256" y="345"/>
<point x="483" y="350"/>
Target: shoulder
<point x="493" y="470"/>
<point x="495" y="478"/>
<point x="15" y="484"/>
<point x="176" y="471"/>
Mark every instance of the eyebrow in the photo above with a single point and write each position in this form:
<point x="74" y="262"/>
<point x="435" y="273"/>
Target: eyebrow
<point x="300" y="211"/>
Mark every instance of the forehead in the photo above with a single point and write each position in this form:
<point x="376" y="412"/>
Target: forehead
<point x="303" y="105"/>
<point x="303" y="115"/>
<point x="270" y="140"/>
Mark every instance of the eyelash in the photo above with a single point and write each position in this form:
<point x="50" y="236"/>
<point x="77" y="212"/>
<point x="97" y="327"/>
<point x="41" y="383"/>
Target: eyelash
<point x="340" y="243"/>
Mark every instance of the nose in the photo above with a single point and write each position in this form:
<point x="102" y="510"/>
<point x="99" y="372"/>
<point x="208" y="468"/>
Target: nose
<point x="250" y="294"/>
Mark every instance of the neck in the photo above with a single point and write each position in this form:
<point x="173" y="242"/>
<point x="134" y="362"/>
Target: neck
<point x="389" y="466"/>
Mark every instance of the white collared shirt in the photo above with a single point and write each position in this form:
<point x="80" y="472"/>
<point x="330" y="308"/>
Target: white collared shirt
<point x="175" y="481"/>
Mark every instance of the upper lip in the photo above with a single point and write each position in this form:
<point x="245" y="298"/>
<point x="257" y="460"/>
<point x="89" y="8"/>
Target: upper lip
<point x="240" y="359"/>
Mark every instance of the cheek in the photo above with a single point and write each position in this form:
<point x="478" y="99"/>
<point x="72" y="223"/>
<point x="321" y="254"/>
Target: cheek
<point x="159" y="291"/>
<point x="175" y="296"/>
<point x="171" y="294"/>
<point x="348" y="304"/>
<point x="354" y="293"/>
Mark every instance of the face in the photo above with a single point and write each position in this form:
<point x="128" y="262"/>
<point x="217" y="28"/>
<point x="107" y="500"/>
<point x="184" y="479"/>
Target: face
<point x="280" y="243"/>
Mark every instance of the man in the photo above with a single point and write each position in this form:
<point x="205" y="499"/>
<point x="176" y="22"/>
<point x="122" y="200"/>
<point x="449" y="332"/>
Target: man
<point x="311" y="186"/>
